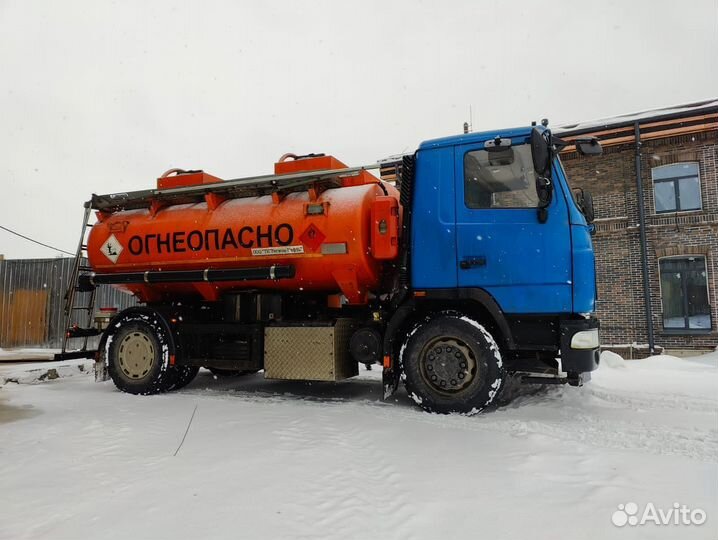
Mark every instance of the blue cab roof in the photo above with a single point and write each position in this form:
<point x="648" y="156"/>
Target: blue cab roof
<point x="469" y="138"/>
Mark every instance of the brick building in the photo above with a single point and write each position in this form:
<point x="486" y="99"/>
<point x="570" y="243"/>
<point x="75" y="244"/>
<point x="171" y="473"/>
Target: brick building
<point x="665" y="161"/>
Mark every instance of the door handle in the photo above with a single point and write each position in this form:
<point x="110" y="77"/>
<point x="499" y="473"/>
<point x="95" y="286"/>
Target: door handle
<point x="472" y="262"/>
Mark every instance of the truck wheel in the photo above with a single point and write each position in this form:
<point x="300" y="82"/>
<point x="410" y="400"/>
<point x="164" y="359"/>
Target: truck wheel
<point x="137" y="360"/>
<point x="183" y="375"/>
<point x="219" y="372"/>
<point x="451" y="364"/>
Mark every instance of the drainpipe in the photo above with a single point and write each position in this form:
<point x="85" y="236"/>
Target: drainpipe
<point x="642" y="231"/>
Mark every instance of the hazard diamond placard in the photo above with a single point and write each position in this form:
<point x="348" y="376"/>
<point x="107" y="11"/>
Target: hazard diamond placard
<point x="112" y="248"/>
<point x="312" y="237"/>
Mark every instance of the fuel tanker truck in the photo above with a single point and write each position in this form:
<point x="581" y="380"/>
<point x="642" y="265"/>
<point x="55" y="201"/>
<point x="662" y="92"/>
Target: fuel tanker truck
<point x="473" y="265"/>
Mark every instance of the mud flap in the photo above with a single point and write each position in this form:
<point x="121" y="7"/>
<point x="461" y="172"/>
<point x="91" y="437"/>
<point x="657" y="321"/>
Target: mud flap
<point x="101" y="373"/>
<point x="390" y="379"/>
<point x="392" y="356"/>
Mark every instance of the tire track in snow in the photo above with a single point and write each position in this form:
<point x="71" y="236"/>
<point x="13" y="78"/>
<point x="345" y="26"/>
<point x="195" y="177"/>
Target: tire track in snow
<point x="646" y="400"/>
<point x="572" y="424"/>
<point x="650" y="438"/>
<point x="358" y="494"/>
<point x="566" y="417"/>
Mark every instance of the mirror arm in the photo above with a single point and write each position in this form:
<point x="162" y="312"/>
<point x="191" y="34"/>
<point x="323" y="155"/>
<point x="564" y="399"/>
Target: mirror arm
<point x="585" y="140"/>
<point x="558" y="143"/>
<point x="551" y="155"/>
<point x="542" y="209"/>
<point x="544" y="184"/>
<point x="542" y="214"/>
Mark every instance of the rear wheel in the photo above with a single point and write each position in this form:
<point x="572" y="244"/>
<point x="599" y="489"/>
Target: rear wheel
<point x="138" y="359"/>
<point x="452" y="364"/>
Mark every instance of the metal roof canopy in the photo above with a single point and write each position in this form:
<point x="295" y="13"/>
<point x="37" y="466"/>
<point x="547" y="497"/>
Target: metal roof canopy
<point x="709" y="106"/>
<point x="252" y="186"/>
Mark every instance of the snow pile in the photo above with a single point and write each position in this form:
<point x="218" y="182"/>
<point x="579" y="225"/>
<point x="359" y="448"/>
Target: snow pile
<point x="16" y="355"/>
<point x="612" y="360"/>
<point x="46" y="371"/>
<point x="280" y="459"/>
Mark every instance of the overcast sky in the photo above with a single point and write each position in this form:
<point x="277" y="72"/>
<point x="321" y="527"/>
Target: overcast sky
<point x="104" y="96"/>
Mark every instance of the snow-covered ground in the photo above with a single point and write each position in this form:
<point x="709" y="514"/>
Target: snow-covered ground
<point x="270" y="459"/>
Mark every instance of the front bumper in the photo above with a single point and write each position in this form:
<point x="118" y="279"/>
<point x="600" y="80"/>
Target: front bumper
<point x="585" y="354"/>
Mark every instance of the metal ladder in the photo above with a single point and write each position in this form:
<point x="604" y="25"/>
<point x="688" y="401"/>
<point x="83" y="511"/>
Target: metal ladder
<point x="72" y="329"/>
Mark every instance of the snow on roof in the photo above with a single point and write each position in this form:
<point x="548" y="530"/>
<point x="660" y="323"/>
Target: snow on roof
<point x="392" y="158"/>
<point x="687" y="109"/>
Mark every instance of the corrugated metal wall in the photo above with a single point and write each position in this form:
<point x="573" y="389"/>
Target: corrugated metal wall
<point x="32" y="302"/>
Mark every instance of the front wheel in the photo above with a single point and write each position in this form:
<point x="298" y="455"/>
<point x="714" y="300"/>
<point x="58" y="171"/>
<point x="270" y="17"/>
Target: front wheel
<point x="452" y="364"/>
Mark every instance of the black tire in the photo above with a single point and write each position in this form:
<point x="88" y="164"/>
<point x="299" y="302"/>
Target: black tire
<point x="221" y="372"/>
<point x="452" y="364"/>
<point x="138" y="357"/>
<point x="183" y="375"/>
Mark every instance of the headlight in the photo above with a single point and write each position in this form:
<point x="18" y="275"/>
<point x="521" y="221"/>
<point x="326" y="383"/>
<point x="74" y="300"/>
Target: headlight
<point x="586" y="339"/>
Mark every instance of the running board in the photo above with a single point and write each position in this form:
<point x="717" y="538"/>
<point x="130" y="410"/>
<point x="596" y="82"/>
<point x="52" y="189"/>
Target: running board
<point x="77" y="332"/>
<point x="72" y="355"/>
<point x="529" y="379"/>
<point x="573" y="379"/>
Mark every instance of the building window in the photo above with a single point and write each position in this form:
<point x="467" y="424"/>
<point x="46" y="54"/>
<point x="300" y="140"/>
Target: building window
<point x="684" y="292"/>
<point x="677" y="187"/>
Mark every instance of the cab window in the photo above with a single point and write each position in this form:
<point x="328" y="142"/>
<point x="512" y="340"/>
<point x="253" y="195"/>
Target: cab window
<point x="500" y="178"/>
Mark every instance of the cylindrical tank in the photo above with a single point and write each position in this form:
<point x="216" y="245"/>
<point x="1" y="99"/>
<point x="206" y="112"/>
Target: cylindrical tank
<point x="335" y="242"/>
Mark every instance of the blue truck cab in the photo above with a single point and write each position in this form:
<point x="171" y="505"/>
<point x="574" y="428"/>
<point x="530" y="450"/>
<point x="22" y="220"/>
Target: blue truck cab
<point x="496" y="239"/>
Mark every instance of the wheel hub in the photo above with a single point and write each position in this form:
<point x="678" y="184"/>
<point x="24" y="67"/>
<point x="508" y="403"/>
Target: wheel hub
<point x="448" y="365"/>
<point x="136" y="355"/>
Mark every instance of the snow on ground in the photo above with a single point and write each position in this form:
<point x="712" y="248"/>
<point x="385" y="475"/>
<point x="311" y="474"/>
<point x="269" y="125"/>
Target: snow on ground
<point x="273" y="459"/>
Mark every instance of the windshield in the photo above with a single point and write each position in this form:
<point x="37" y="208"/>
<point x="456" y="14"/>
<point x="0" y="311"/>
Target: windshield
<point x="503" y="178"/>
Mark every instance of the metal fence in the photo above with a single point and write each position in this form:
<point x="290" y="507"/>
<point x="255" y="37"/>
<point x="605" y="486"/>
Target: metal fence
<point x="32" y="303"/>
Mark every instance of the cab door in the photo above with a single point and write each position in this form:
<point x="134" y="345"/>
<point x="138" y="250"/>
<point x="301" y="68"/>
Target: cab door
<point x="501" y="246"/>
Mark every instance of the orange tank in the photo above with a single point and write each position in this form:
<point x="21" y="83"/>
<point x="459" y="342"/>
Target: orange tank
<point x="333" y="241"/>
